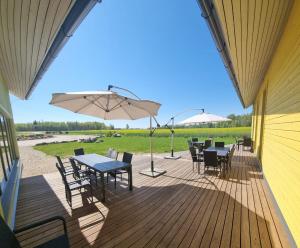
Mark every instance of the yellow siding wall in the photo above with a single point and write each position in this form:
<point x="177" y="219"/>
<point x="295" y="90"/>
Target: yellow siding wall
<point x="281" y="128"/>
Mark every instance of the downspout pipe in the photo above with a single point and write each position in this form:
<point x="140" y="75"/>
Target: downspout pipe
<point x="76" y="15"/>
<point x="208" y="13"/>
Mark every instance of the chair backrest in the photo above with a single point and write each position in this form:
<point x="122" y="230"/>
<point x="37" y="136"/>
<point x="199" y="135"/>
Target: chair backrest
<point x="219" y="144"/>
<point x="207" y="143"/>
<point x="60" y="163"/>
<point x="108" y="154"/>
<point x="75" y="168"/>
<point x="193" y="153"/>
<point x="194" y="139"/>
<point x="231" y="154"/>
<point x="210" y="158"/>
<point x="127" y="157"/>
<point x="247" y="141"/>
<point x="62" y="175"/>
<point x="7" y="237"/>
<point x="78" y="151"/>
<point x="114" y="154"/>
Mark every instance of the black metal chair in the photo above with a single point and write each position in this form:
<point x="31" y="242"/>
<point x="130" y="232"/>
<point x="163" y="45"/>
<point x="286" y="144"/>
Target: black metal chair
<point x="247" y="143"/>
<point x="196" y="158"/>
<point x="67" y="170"/>
<point x="8" y="237"/>
<point x="219" y="144"/>
<point x="230" y="156"/>
<point x="127" y="158"/>
<point x="79" y="151"/>
<point x="78" y="184"/>
<point x="211" y="160"/>
<point x="207" y="143"/>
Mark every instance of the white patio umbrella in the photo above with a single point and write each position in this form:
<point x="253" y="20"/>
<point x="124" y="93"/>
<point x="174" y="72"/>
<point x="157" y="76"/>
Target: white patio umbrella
<point x="109" y="105"/>
<point x="203" y="118"/>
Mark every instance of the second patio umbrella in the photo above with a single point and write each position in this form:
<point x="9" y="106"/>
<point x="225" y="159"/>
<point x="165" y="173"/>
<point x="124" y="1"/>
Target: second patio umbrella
<point x="203" y="118"/>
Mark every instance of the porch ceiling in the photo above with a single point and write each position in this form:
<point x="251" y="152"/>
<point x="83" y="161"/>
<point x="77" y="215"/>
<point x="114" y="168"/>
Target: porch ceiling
<point x="250" y="32"/>
<point x="28" y="29"/>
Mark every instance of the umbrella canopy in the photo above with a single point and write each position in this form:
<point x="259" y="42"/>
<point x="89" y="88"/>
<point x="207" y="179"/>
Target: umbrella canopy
<point x="203" y="118"/>
<point x="107" y="105"/>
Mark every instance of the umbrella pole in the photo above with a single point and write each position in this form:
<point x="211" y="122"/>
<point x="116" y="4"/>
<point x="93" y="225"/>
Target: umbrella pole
<point x="151" y="153"/>
<point x="152" y="172"/>
<point x="172" y="143"/>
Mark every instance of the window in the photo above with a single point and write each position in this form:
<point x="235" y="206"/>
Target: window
<point x="7" y="149"/>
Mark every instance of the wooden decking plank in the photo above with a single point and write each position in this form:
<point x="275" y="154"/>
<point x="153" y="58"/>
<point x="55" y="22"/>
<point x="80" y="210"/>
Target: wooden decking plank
<point x="226" y="234"/>
<point x="262" y="225"/>
<point x="202" y="221"/>
<point x="272" y="231"/>
<point x="236" y="223"/>
<point x="182" y="220"/>
<point x="245" y="226"/>
<point x="171" y="218"/>
<point x="217" y="234"/>
<point x="209" y="231"/>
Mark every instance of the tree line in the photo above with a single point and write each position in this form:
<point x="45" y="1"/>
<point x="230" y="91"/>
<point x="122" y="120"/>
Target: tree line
<point x="61" y="126"/>
<point x="236" y="121"/>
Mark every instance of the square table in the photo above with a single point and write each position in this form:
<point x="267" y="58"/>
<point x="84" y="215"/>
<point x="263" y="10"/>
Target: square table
<point x="102" y="164"/>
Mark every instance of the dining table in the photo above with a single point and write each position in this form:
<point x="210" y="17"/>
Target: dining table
<point x="102" y="165"/>
<point x="222" y="152"/>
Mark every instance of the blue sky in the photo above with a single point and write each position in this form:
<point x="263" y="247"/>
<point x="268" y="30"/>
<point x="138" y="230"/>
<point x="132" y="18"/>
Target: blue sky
<point x="160" y="50"/>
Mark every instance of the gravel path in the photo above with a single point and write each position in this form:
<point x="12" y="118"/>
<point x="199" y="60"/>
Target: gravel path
<point x="38" y="163"/>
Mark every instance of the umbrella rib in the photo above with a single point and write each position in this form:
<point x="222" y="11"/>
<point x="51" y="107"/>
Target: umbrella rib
<point x="89" y="102"/>
<point x="117" y="105"/>
<point x="101" y="106"/>
<point x="128" y="114"/>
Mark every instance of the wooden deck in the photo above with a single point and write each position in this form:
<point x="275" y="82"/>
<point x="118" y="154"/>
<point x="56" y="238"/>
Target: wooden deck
<point x="178" y="209"/>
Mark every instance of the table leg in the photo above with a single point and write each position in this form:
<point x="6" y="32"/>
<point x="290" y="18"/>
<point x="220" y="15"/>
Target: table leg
<point x="103" y="186"/>
<point x="130" y="177"/>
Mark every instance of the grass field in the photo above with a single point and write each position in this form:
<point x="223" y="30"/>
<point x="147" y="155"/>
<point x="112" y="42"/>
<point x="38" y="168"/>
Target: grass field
<point x="136" y="141"/>
<point x="180" y="132"/>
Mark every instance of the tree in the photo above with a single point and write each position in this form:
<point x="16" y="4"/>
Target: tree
<point x="127" y="126"/>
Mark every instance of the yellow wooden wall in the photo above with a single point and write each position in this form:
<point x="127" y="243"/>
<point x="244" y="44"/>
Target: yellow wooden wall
<point x="281" y="128"/>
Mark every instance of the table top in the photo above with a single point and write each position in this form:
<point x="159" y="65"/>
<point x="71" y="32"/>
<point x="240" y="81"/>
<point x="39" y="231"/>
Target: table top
<point x="100" y="163"/>
<point x="198" y="142"/>
<point x="221" y="151"/>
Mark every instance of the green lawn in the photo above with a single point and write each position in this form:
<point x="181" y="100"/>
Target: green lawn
<point x="135" y="144"/>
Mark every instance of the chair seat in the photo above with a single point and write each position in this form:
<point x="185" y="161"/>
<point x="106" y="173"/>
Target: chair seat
<point x="79" y="183"/>
<point x="60" y="241"/>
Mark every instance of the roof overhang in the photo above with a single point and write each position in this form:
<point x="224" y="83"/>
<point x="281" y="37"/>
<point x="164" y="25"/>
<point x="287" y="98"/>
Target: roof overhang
<point x="246" y="34"/>
<point x="31" y="35"/>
